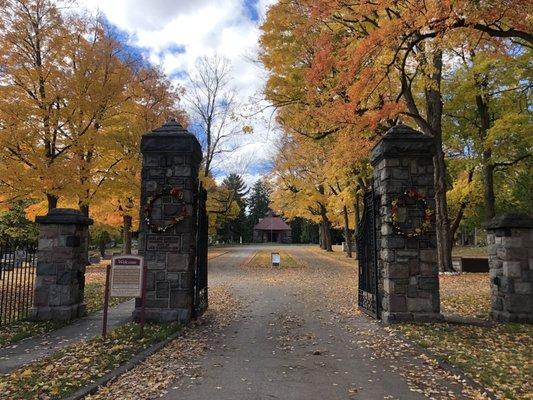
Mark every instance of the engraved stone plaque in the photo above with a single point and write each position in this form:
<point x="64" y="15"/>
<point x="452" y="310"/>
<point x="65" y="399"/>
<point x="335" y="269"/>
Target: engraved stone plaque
<point x="163" y="243"/>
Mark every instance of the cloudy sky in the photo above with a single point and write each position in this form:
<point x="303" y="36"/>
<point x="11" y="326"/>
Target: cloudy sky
<point x="174" y="33"/>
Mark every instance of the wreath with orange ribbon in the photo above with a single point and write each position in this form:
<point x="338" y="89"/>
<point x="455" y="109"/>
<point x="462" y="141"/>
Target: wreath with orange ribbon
<point x="148" y="207"/>
<point x="412" y="194"/>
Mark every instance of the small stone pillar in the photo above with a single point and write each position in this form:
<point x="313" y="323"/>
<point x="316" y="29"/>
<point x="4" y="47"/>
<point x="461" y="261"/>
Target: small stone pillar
<point x="510" y="241"/>
<point x="61" y="262"/>
<point x="171" y="162"/>
<point x="409" y="275"/>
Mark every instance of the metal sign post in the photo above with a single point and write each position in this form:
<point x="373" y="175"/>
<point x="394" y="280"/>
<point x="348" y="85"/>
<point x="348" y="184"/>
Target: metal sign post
<point x="125" y="277"/>
<point x="143" y="300"/>
<point x="106" y="300"/>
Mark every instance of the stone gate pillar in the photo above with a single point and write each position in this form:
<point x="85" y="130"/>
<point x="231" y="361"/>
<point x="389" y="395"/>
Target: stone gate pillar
<point x="407" y="258"/>
<point x="61" y="261"/>
<point x="510" y="241"/>
<point x="167" y="240"/>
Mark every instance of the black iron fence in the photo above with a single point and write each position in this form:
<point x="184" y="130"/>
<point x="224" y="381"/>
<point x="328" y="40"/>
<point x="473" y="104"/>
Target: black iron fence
<point x="18" y="263"/>
<point x="200" y="272"/>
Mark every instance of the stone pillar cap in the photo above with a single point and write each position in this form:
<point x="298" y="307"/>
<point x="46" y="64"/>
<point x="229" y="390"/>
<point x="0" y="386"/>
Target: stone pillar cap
<point x="171" y="137"/>
<point x="64" y="216"/>
<point x="510" y="220"/>
<point x="402" y="141"/>
<point x="171" y="127"/>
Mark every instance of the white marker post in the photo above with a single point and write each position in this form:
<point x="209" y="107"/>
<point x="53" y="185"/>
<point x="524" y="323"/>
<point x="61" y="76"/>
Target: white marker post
<point x="126" y="277"/>
<point x="276" y="259"/>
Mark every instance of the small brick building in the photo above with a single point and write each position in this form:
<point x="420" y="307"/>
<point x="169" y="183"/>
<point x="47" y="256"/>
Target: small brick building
<point x="272" y="228"/>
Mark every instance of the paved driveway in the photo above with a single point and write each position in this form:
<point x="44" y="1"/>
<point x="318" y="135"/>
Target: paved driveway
<point x="301" y="337"/>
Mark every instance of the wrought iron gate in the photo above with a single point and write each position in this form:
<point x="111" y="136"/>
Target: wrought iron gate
<point x="368" y="298"/>
<point x="200" y="273"/>
<point x="17" y="275"/>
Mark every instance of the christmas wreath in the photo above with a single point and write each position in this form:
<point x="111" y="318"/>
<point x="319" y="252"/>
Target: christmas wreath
<point x="412" y="194"/>
<point x="162" y="228"/>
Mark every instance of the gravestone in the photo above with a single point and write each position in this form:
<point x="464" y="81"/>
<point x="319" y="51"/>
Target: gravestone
<point x="510" y="241"/>
<point x="168" y="222"/>
<point x="407" y="260"/>
<point x="61" y="260"/>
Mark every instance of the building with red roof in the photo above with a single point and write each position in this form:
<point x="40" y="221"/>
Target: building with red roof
<point x="272" y="228"/>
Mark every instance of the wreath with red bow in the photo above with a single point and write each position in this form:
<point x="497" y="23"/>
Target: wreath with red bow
<point x="162" y="228"/>
<point x="412" y="194"/>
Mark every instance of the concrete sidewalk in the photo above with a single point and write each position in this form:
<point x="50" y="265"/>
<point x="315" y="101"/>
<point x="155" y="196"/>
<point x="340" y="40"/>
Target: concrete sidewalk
<point x="31" y="349"/>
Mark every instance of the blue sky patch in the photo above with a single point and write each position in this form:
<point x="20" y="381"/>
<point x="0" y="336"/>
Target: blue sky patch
<point x="251" y="9"/>
<point x="123" y="37"/>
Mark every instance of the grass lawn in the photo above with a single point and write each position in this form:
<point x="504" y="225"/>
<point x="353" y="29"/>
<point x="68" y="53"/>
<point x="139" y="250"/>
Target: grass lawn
<point x="499" y="357"/>
<point x="262" y="259"/>
<point x="213" y="253"/>
<point x="336" y="254"/>
<point x="469" y="251"/>
<point x="75" y="366"/>
<point x="94" y="298"/>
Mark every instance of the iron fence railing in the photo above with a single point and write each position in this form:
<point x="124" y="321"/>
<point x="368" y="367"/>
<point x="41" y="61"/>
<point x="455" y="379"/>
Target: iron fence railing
<point x="17" y="276"/>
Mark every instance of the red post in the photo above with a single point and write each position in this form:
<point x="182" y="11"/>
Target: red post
<point x="143" y="298"/>
<point x="106" y="300"/>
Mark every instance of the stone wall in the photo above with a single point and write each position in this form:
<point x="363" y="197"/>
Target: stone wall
<point x="409" y="276"/>
<point x="171" y="160"/>
<point x="61" y="260"/>
<point x="510" y="241"/>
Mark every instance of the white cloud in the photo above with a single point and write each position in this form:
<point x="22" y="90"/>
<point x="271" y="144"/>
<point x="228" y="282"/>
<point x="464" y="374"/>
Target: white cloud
<point x="201" y="27"/>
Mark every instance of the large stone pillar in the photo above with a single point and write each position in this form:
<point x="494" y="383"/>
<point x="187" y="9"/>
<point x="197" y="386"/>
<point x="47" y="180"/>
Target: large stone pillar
<point x="61" y="261"/>
<point x="167" y="240"/>
<point x="510" y="241"/>
<point x="407" y="258"/>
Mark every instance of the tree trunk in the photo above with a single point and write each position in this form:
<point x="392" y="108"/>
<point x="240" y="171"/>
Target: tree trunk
<point x="488" y="180"/>
<point x="101" y="247"/>
<point x="321" y="240"/>
<point x="457" y="221"/>
<point x="484" y="125"/>
<point x="84" y="208"/>
<point x="126" y="234"/>
<point x="326" y="229"/>
<point x="347" y="233"/>
<point x="434" y="119"/>
<point x="444" y="238"/>
<point x="52" y="201"/>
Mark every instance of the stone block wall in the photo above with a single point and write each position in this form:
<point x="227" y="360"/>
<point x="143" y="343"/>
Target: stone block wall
<point x="61" y="261"/>
<point x="510" y="242"/>
<point x="408" y="271"/>
<point x="171" y="160"/>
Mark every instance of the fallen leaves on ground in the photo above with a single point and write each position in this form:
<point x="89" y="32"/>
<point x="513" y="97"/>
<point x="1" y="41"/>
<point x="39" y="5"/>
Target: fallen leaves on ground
<point x="466" y="294"/>
<point x="498" y="357"/>
<point x="180" y="358"/>
<point x="339" y="287"/>
<point x="75" y="366"/>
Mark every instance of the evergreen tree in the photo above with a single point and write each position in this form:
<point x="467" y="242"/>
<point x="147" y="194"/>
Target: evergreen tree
<point x="309" y="233"/>
<point x="232" y="230"/>
<point x="258" y="203"/>
<point x="15" y="226"/>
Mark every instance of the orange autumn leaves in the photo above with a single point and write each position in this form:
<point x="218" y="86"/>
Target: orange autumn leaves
<point x="73" y="106"/>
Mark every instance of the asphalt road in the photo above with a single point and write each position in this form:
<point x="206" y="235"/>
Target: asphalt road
<point x="297" y="339"/>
